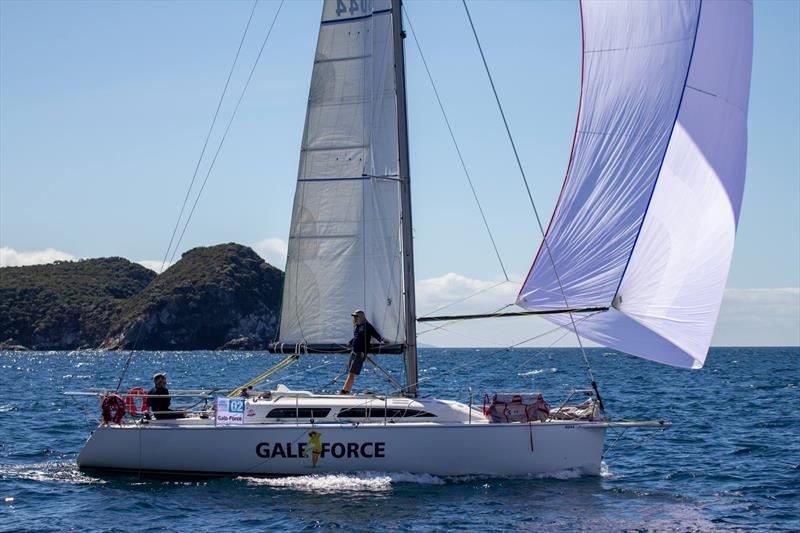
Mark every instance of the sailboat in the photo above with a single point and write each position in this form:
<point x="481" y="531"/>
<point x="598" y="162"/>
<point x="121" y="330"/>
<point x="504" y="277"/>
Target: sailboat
<point x="635" y="257"/>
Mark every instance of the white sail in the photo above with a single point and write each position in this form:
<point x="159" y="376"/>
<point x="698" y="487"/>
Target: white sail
<point x="345" y="245"/>
<point x="646" y="221"/>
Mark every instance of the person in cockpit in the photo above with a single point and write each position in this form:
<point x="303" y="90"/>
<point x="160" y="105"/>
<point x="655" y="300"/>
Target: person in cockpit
<point x="158" y="399"/>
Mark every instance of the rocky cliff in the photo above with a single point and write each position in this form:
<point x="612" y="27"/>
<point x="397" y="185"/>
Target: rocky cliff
<point x="66" y="305"/>
<point x="222" y="296"/>
<point x="214" y="297"/>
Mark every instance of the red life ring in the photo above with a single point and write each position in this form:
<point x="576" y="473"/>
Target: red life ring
<point x="130" y="401"/>
<point x="113" y="402"/>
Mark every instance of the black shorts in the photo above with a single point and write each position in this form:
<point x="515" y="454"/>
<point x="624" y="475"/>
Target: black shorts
<point x="356" y="363"/>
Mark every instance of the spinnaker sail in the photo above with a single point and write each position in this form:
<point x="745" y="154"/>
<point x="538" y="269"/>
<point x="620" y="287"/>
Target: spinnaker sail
<point x="646" y="220"/>
<point x="345" y="242"/>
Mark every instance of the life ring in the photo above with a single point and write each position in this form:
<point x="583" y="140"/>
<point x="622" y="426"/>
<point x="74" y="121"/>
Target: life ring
<point x="113" y="402"/>
<point x="130" y="401"/>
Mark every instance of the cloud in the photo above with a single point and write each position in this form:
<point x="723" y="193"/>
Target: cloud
<point x="468" y="295"/>
<point x="759" y="317"/>
<point x="154" y="264"/>
<point x="748" y="317"/>
<point x="455" y="294"/>
<point x="10" y="257"/>
<point x="273" y="251"/>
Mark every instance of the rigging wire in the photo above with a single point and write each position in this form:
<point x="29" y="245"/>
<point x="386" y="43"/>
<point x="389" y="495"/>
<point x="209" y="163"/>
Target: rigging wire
<point x="127" y="364"/>
<point x="451" y="304"/>
<point x="509" y="348"/>
<point x="227" y="128"/>
<point x="492" y="343"/>
<point x="208" y="136"/>
<point x="455" y="144"/>
<point x="533" y="204"/>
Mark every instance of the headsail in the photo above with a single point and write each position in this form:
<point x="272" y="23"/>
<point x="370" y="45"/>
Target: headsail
<point x="345" y="243"/>
<point x="647" y="216"/>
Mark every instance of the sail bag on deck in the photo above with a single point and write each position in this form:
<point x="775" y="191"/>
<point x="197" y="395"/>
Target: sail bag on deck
<point x="646" y="220"/>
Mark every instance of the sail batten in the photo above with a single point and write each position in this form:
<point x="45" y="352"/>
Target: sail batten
<point x="648" y="213"/>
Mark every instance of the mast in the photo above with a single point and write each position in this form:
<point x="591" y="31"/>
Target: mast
<point x="410" y="355"/>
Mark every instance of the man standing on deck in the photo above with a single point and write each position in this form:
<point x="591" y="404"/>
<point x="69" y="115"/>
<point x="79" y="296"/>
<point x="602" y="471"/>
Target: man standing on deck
<point x="158" y="399"/>
<point x="363" y="331"/>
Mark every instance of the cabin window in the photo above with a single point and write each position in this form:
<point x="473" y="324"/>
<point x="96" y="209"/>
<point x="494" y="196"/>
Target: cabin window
<point x="302" y="412"/>
<point x="383" y="413"/>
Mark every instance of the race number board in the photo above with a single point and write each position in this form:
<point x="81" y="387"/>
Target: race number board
<point x="230" y="411"/>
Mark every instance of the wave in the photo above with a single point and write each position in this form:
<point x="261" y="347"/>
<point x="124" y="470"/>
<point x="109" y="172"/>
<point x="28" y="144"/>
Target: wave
<point x="358" y="481"/>
<point x="57" y="472"/>
<point x="570" y="473"/>
<point x="537" y="372"/>
<point x="385" y="481"/>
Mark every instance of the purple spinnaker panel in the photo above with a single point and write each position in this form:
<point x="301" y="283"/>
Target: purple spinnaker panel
<point x="670" y="285"/>
<point x="635" y="59"/>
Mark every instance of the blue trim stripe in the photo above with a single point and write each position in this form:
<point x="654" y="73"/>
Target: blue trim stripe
<point x="666" y="148"/>
<point x="341" y="21"/>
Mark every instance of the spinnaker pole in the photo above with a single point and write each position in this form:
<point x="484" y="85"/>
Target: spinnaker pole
<point x="410" y="354"/>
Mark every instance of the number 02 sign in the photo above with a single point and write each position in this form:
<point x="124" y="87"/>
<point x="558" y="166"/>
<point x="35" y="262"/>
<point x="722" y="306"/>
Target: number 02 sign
<point x="230" y="411"/>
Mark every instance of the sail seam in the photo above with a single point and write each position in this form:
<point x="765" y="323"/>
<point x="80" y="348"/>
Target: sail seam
<point x="324" y="237"/>
<point x="648" y="45"/>
<point x="707" y="93"/>
<point x="354" y="178"/>
<point x="336" y="59"/>
<point x="334" y="148"/>
<point x="616" y="133"/>
<point x="666" y="149"/>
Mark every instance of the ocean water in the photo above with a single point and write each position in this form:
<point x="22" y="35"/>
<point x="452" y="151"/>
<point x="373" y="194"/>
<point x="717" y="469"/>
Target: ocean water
<point x="730" y="462"/>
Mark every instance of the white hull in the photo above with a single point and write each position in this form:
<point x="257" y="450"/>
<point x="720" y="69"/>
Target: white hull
<point x="260" y="449"/>
<point x="278" y="431"/>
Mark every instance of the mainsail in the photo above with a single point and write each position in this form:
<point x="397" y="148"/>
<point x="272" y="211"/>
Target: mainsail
<point x="345" y="242"/>
<point x="646" y="220"/>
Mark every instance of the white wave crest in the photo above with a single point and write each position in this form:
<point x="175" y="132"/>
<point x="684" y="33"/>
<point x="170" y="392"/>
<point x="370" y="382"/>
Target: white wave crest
<point x="537" y="372"/>
<point x="386" y="481"/>
<point x="604" y="471"/>
<point x="358" y="481"/>
<point x="48" y="472"/>
<point x="570" y="473"/>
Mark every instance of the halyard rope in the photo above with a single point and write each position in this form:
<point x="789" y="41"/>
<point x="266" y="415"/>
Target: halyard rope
<point x="127" y="364"/>
<point x="533" y="204"/>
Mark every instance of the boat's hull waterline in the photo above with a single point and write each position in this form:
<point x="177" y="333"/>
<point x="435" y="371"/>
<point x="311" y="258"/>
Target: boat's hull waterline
<point x="288" y="449"/>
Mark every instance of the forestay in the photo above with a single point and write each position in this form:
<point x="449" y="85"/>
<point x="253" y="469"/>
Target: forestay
<point x="647" y="215"/>
<point x="345" y="236"/>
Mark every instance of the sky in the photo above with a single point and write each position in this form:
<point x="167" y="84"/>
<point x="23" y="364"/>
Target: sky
<point x="104" y="108"/>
